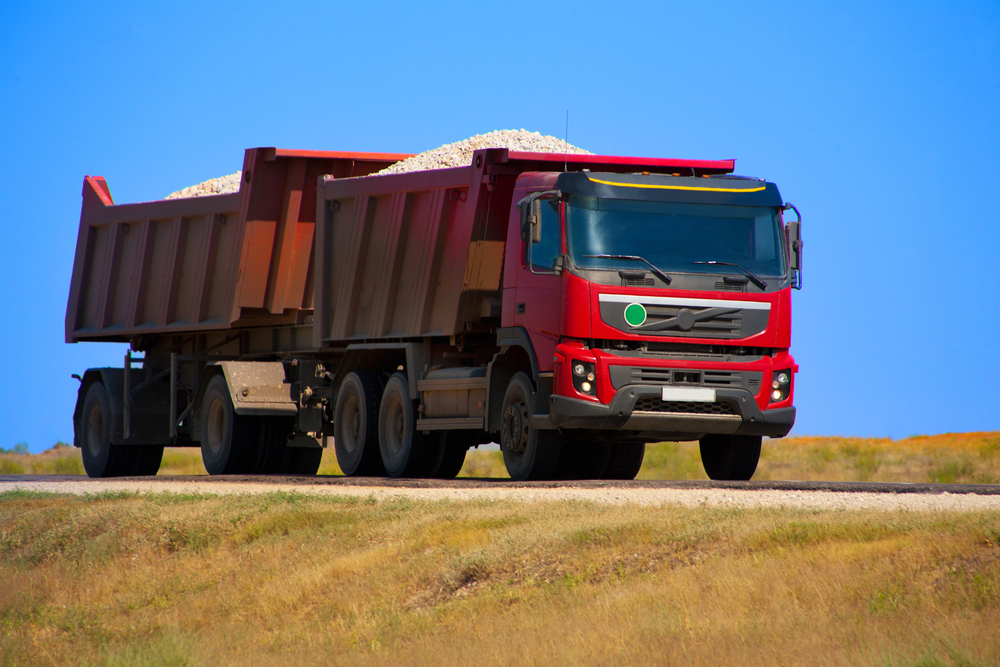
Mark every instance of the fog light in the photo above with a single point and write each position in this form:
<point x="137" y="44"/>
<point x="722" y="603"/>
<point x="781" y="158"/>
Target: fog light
<point x="579" y="369"/>
<point x="776" y="395"/>
<point x="585" y="386"/>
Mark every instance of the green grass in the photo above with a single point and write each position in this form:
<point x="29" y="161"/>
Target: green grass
<point x="129" y="579"/>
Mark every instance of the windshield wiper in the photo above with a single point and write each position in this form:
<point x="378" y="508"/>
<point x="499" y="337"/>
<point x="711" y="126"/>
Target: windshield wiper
<point x="756" y="281"/>
<point x="635" y="258"/>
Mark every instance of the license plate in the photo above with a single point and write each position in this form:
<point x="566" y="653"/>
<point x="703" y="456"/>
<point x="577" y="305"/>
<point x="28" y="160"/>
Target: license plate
<point x="695" y="394"/>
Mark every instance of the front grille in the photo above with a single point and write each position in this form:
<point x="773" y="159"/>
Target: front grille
<point x="669" y="376"/>
<point x="721" y="379"/>
<point x="653" y="404"/>
<point x="707" y="321"/>
<point x="723" y="286"/>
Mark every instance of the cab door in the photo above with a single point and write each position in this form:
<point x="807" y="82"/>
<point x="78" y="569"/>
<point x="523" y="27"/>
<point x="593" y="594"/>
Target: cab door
<point x="538" y="294"/>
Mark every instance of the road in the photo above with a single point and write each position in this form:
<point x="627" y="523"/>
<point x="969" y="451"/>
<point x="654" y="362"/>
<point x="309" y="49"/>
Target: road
<point x="802" y="495"/>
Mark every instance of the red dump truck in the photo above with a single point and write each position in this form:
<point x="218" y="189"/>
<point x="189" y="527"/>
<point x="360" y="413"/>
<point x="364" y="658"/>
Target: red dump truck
<point x="571" y="308"/>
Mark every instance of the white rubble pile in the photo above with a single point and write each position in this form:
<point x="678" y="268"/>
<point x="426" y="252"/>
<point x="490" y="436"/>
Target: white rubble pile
<point x="215" y="186"/>
<point x="459" y="154"/>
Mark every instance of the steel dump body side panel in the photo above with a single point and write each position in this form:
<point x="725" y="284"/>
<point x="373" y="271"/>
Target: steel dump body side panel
<point x="392" y="254"/>
<point x="203" y="263"/>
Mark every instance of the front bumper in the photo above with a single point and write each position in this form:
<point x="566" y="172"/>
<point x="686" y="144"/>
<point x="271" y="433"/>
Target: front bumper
<point x="735" y="412"/>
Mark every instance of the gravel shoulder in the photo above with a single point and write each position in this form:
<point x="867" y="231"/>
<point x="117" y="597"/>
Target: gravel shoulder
<point x="788" y="495"/>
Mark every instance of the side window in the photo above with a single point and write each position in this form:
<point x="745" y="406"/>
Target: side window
<point x="544" y="253"/>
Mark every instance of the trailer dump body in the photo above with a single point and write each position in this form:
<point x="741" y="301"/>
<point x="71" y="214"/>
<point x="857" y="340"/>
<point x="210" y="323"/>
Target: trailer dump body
<point x="570" y="307"/>
<point x="203" y="263"/>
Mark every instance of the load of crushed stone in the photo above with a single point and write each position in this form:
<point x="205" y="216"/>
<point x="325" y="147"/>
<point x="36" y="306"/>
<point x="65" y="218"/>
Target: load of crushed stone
<point x="459" y="154"/>
<point x="223" y="185"/>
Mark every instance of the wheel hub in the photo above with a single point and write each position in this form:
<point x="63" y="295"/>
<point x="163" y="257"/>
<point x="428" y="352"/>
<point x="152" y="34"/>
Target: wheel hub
<point x="514" y="434"/>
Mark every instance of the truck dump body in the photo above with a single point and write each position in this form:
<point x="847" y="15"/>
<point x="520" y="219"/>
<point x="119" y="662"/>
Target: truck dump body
<point x="421" y="254"/>
<point x="204" y="263"/>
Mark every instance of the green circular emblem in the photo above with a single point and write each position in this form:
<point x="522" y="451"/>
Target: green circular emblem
<point x="635" y="314"/>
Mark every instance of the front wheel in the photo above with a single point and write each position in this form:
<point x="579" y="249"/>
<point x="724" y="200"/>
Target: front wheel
<point x="730" y="457"/>
<point x="528" y="453"/>
<point x="625" y="461"/>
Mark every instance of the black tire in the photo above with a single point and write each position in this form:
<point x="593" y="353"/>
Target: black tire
<point x="528" y="453"/>
<point x="229" y="441"/>
<point x="583" y="459"/>
<point x="146" y="460"/>
<point x="272" y="446"/>
<point x="355" y="424"/>
<point x="100" y="458"/>
<point x="302" y="460"/>
<point x="448" y="454"/>
<point x="730" y="457"/>
<point x="402" y="448"/>
<point x="625" y="460"/>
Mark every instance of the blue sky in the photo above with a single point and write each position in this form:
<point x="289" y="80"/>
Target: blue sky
<point x="880" y="121"/>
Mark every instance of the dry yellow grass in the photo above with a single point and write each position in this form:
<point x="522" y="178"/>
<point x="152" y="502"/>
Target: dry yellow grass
<point x="947" y="458"/>
<point x="122" y="579"/>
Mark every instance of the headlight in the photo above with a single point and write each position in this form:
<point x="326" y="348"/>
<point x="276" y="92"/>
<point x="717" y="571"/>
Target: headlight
<point x="584" y="376"/>
<point x="781" y="386"/>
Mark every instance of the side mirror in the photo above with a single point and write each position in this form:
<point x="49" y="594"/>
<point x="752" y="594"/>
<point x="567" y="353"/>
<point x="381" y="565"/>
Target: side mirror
<point x="793" y="239"/>
<point x="531" y="219"/>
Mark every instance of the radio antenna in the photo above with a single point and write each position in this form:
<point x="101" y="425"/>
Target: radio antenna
<point x="566" y="140"/>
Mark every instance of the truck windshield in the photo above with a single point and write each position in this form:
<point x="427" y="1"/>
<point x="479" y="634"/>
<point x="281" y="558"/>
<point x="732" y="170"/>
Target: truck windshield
<point x="672" y="236"/>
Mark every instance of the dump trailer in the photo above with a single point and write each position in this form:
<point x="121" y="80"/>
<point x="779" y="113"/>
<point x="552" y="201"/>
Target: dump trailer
<point x="571" y="308"/>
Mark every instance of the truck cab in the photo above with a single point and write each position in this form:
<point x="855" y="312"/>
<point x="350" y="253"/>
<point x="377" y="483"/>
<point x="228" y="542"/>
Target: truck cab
<point x="658" y="307"/>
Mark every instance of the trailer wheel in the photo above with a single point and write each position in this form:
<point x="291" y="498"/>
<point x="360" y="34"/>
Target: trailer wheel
<point x="448" y="455"/>
<point x="730" y="457"/>
<point x="528" y="453"/>
<point x="626" y="459"/>
<point x="228" y="440"/>
<point x="302" y="460"/>
<point x="147" y="459"/>
<point x="355" y="424"/>
<point x="100" y="459"/>
<point x="403" y="453"/>
<point x="583" y="459"/>
<point x="271" y="449"/>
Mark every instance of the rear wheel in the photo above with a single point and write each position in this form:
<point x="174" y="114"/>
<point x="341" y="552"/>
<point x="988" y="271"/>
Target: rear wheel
<point x="403" y="454"/>
<point x="229" y="441"/>
<point x="356" y="424"/>
<point x="528" y="453"/>
<point x="448" y="455"/>
<point x="625" y="460"/>
<point x="583" y="459"/>
<point x="100" y="459"/>
<point x="730" y="457"/>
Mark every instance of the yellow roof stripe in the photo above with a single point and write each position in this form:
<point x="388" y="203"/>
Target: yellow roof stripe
<point x="674" y="187"/>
